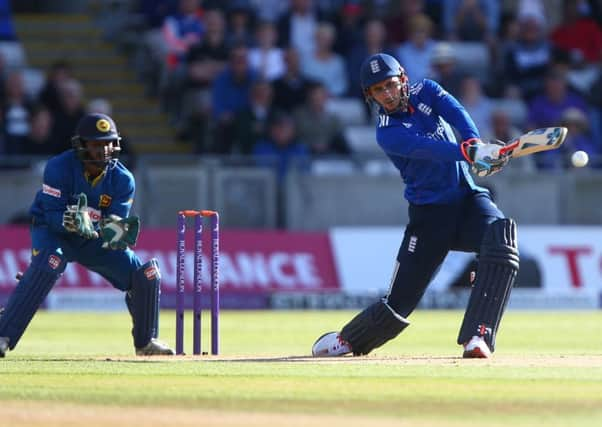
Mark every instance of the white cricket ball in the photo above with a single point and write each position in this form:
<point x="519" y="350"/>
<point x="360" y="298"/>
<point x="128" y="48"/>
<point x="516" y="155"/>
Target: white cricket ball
<point x="579" y="159"/>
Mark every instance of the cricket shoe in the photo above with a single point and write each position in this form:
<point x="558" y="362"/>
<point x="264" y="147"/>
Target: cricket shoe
<point x="3" y="346"/>
<point x="330" y="345"/>
<point x="155" y="348"/>
<point x="476" y="348"/>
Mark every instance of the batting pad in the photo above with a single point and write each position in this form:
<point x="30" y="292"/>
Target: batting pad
<point x="30" y="293"/>
<point x="496" y="273"/>
<point x="373" y="327"/>
<point x="143" y="302"/>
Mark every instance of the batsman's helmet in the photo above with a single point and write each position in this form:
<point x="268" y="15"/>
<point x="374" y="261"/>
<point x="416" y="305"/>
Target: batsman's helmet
<point x="379" y="67"/>
<point x="96" y="127"/>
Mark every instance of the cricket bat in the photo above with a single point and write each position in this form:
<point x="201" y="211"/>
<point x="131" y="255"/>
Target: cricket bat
<point x="537" y="140"/>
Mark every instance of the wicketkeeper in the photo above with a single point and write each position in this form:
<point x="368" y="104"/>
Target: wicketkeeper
<point x="81" y="214"/>
<point x="447" y="212"/>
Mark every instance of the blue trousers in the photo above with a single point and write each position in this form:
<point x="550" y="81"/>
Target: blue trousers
<point x="432" y="232"/>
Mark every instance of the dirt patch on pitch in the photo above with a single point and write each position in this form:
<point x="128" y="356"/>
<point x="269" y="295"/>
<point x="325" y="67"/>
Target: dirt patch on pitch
<point x="56" y="414"/>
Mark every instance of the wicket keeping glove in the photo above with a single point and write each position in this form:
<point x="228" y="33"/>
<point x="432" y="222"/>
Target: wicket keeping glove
<point x="76" y="219"/>
<point x="119" y="233"/>
<point x="484" y="158"/>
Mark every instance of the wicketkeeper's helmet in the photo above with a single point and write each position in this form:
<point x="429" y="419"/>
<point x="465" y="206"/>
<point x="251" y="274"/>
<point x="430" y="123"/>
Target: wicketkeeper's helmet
<point x="96" y="127"/>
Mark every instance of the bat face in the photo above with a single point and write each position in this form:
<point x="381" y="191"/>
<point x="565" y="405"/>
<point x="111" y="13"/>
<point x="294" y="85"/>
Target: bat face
<point x="537" y="140"/>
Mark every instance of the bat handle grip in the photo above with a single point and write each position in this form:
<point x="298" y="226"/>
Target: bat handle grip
<point x="508" y="148"/>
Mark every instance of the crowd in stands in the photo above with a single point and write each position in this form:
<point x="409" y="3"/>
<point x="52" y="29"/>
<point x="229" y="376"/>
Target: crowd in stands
<point x="252" y="77"/>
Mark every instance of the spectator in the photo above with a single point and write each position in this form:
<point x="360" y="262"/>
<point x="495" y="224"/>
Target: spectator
<point x="17" y="109"/>
<point x="350" y="28"/>
<point x="7" y="27"/>
<point x="579" y="35"/>
<point x="230" y="94"/>
<point x="266" y="59"/>
<point x="320" y="130"/>
<point x="547" y="109"/>
<point x="290" y="90"/>
<point x="528" y="59"/>
<point x="39" y="141"/>
<point x="476" y="103"/>
<point x="324" y="65"/>
<point x="252" y="122"/>
<point x="295" y="26"/>
<point x="72" y="109"/>
<point x="374" y="37"/>
<point x="398" y="22"/>
<point x="269" y="10"/>
<point x="59" y="72"/>
<point x="471" y="20"/>
<point x="182" y="30"/>
<point x="417" y="52"/>
<point x="188" y="96"/>
<point x="281" y="148"/>
<point x="444" y="68"/>
<point x="155" y="11"/>
<point x="240" y="24"/>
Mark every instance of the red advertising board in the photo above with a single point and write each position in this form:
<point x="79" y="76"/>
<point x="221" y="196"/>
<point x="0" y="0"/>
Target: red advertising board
<point x="253" y="264"/>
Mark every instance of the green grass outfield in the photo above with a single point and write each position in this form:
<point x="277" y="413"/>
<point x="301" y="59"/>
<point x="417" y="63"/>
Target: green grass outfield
<point x="78" y="369"/>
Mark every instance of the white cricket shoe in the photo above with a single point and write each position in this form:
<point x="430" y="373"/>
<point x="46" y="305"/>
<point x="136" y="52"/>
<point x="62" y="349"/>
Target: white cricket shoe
<point x="3" y="346"/>
<point x="330" y="345"/>
<point x="155" y="348"/>
<point x="476" y="348"/>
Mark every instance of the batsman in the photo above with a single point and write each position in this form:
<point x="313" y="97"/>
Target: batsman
<point x="447" y="211"/>
<point x="81" y="214"/>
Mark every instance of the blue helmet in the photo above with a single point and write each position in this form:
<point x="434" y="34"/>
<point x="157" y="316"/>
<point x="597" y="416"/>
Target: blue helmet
<point x="96" y="127"/>
<point x="379" y="67"/>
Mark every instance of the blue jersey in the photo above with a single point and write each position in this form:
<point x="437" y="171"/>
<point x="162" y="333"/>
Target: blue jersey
<point x="422" y="145"/>
<point x="64" y="179"/>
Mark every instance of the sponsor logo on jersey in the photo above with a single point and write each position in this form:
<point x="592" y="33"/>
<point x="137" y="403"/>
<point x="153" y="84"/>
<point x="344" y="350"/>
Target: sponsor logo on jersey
<point x="408" y="125"/>
<point x="54" y="262"/>
<point x="95" y="214"/>
<point x="104" y="201"/>
<point x="150" y="273"/>
<point x="35" y="252"/>
<point x="51" y="191"/>
<point x="425" y="109"/>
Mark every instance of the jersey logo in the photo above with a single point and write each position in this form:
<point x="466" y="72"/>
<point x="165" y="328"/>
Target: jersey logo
<point x="35" y="252"/>
<point x="374" y="66"/>
<point x="412" y="244"/>
<point x="442" y="92"/>
<point x="51" y="191"/>
<point x="104" y="201"/>
<point x="408" y="125"/>
<point x="425" y="109"/>
<point x="383" y="120"/>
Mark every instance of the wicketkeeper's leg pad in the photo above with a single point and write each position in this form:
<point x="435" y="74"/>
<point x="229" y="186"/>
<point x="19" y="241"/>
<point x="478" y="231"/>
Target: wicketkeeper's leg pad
<point x="143" y="302"/>
<point x="373" y="327"/>
<point x="31" y="291"/>
<point x="496" y="273"/>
